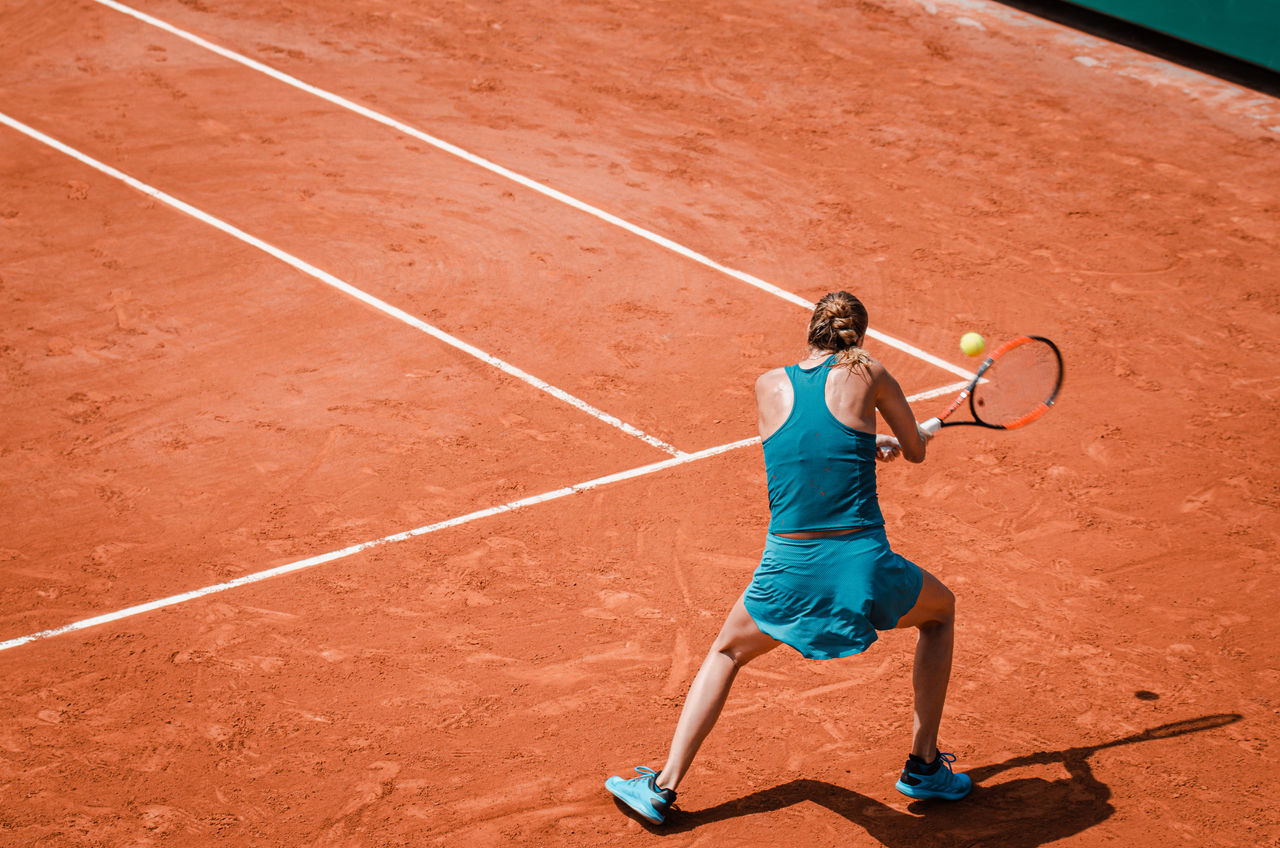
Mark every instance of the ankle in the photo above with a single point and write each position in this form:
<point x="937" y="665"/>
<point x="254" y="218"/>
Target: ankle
<point x="921" y="765"/>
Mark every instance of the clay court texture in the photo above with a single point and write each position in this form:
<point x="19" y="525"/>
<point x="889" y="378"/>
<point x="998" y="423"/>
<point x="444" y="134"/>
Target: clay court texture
<point x="257" y="314"/>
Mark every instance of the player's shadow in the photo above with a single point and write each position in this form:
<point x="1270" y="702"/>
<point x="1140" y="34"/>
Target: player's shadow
<point x="1018" y="813"/>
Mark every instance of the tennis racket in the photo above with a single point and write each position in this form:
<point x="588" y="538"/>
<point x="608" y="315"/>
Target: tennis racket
<point x="1014" y="386"/>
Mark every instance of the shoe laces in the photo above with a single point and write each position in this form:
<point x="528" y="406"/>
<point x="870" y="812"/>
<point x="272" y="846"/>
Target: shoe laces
<point x="944" y="763"/>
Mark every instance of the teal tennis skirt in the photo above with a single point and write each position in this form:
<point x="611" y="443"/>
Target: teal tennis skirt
<point x="827" y="597"/>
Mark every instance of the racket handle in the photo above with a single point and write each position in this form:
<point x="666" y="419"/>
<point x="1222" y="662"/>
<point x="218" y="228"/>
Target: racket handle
<point x="930" y="427"/>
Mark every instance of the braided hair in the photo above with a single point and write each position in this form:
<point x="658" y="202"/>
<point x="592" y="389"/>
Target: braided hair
<point x="839" y="324"/>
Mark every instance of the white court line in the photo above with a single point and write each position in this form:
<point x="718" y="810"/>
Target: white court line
<point x="311" y="562"/>
<point x="941" y="390"/>
<point x="328" y="279"/>
<point x="364" y="546"/>
<point x="528" y="183"/>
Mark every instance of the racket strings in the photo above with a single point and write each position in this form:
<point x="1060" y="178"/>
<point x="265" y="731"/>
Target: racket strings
<point x="1018" y="383"/>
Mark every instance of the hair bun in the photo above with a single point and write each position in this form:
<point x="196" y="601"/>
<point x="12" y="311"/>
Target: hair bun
<point x="838" y="324"/>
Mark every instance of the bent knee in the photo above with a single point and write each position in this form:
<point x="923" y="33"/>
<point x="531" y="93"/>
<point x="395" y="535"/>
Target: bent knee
<point x="947" y="607"/>
<point x="947" y="600"/>
<point x="738" y="654"/>
<point x="742" y="651"/>
<point x="942" y="605"/>
<point x="948" y="603"/>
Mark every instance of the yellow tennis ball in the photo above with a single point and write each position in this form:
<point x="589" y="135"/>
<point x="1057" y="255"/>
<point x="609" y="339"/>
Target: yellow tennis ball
<point x="972" y="344"/>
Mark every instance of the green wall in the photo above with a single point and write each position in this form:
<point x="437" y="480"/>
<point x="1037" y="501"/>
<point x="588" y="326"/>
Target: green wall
<point x="1246" y="29"/>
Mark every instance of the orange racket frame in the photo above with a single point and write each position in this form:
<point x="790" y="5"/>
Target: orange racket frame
<point x="967" y="393"/>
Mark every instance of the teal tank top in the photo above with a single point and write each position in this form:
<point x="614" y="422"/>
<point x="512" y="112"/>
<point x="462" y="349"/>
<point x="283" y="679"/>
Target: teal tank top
<point x="822" y="473"/>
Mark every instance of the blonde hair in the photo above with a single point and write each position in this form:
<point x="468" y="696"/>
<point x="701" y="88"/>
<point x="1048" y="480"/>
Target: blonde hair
<point x="839" y="324"/>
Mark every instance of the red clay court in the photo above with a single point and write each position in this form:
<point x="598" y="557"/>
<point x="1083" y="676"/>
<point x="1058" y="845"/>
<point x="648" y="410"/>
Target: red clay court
<point x="439" y="461"/>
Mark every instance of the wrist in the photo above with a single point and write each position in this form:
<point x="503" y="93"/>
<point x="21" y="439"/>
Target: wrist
<point x="929" y="428"/>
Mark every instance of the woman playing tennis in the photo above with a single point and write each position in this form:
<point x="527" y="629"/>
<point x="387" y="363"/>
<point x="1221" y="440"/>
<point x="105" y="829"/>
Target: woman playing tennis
<point x="827" y="580"/>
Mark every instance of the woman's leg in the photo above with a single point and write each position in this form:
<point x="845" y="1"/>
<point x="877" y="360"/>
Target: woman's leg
<point x="934" y="614"/>
<point x="739" y="642"/>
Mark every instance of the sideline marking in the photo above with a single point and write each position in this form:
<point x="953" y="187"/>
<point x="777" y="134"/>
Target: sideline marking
<point x="289" y="568"/>
<point x="328" y="279"/>
<point x="493" y="167"/>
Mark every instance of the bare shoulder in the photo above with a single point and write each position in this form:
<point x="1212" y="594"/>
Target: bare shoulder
<point x="771" y="379"/>
<point x="878" y="373"/>
<point x="883" y="384"/>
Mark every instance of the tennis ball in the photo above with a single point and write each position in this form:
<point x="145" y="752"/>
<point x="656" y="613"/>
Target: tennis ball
<point x="972" y="344"/>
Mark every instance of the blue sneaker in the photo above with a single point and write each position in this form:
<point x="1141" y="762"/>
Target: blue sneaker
<point x="941" y="783"/>
<point x="643" y="795"/>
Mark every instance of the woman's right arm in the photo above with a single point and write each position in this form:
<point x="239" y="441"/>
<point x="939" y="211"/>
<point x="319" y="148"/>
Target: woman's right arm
<point x="892" y="405"/>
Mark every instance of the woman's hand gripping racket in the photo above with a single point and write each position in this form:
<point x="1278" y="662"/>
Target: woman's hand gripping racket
<point x="1014" y="386"/>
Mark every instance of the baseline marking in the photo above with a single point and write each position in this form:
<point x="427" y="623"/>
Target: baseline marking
<point x="330" y="280"/>
<point x="533" y="185"/>
<point x="311" y="562"/>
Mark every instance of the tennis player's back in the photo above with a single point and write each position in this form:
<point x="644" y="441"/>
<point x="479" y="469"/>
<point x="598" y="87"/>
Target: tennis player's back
<point x="850" y="395"/>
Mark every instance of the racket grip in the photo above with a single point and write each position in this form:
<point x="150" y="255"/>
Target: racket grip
<point x="930" y="427"/>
